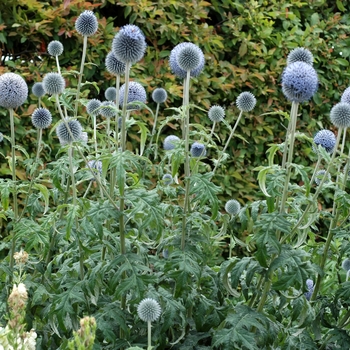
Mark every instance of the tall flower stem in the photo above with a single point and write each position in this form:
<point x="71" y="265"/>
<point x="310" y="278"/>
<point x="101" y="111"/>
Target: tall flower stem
<point x="116" y="125"/>
<point x="149" y="333"/>
<point x="154" y="126"/>
<point x="94" y="133"/>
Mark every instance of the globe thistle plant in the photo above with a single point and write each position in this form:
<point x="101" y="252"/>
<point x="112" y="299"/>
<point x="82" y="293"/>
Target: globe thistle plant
<point x="113" y="65"/>
<point x="92" y="108"/>
<point x="13" y="90"/>
<point x="41" y="118"/>
<point x="55" y="48"/>
<point x="345" y="97"/>
<point x="319" y="176"/>
<point x="96" y="167"/>
<point x="198" y="150"/>
<point x="246" y="101"/>
<point x="167" y="179"/>
<point x="149" y="310"/>
<point x="86" y="24"/>
<point x="53" y="83"/>
<point x="216" y="114"/>
<point x="326" y="139"/>
<point x="136" y="93"/>
<point x="340" y="115"/>
<point x="170" y="142"/>
<point x="189" y="57"/>
<point x="111" y="94"/>
<point x="300" y="54"/>
<point x="310" y="289"/>
<point x="159" y="95"/>
<point x="232" y="207"/>
<point x="69" y="130"/>
<point x="108" y="109"/>
<point x="38" y="89"/>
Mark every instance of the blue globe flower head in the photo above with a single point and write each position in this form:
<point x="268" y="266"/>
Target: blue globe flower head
<point x="345" y="97"/>
<point x="320" y="175"/>
<point x="346" y="264"/>
<point x="310" y="289"/>
<point x="136" y="93"/>
<point x="246" y="101"/>
<point x="340" y="115"/>
<point x="86" y="24"/>
<point x="170" y="142"/>
<point x="111" y="93"/>
<point x="129" y="44"/>
<point x="96" y="167"/>
<point x="326" y="139"/>
<point x="113" y="65"/>
<point x="189" y="57"/>
<point x="216" y="114"/>
<point x="198" y="150"/>
<point x="232" y="207"/>
<point x="108" y="109"/>
<point x="55" y="48"/>
<point x="174" y="65"/>
<point x="41" y="118"/>
<point x="38" y="89"/>
<point x="13" y="90"/>
<point x="167" y="179"/>
<point x="159" y="95"/>
<point x="300" y="54"/>
<point x="54" y="83"/>
<point x="299" y="82"/>
<point x="93" y="106"/>
<point x="149" y="310"/>
<point x="63" y="132"/>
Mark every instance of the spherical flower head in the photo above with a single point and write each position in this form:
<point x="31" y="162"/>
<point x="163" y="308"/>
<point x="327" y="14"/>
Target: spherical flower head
<point x="170" y="142"/>
<point x="232" y="207"/>
<point x="198" y="150"/>
<point x="113" y="65"/>
<point x="320" y="175"/>
<point x="13" y="90"/>
<point x="159" y="95"/>
<point x="108" y="109"/>
<point x="340" y="115"/>
<point x="299" y="82"/>
<point x="346" y="265"/>
<point x="95" y="166"/>
<point x="216" y="113"/>
<point x="300" y="54"/>
<point x="149" y="310"/>
<point x="174" y="66"/>
<point x="326" y="139"/>
<point x="345" y="97"/>
<point x="38" y="90"/>
<point x="41" y="118"/>
<point x="310" y="288"/>
<point x="167" y="179"/>
<point x="189" y="57"/>
<point x="63" y="133"/>
<point x="55" y="48"/>
<point x="111" y="94"/>
<point x="1" y="137"/>
<point x="53" y="83"/>
<point x="92" y="108"/>
<point x="86" y="24"/>
<point x="129" y="44"/>
<point x="246" y="101"/>
<point x="136" y="93"/>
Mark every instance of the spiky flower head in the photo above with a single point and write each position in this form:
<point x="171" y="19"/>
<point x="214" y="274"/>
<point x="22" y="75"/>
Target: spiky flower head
<point x="170" y="142"/>
<point x="310" y="289"/>
<point x="149" y="310"/>
<point x="136" y="93"/>
<point x="53" y="83"/>
<point x="95" y="166"/>
<point x="320" y="175"/>
<point x="113" y="65"/>
<point x="246" y="101"/>
<point x="326" y="139"/>
<point x="41" y="118"/>
<point x="63" y="133"/>
<point x="299" y="82"/>
<point x="92" y="108"/>
<point x="55" y="48"/>
<point x="189" y="57"/>
<point x="345" y="97"/>
<point x="300" y="54"/>
<point x="167" y="179"/>
<point x="159" y="95"/>
<point x="13" y="90"/>
<point x="340" y="115"/>
<point x="129" y="44"/>
<point x="232" y="207"/>
<point x="86" y="24"/>
<point x="346" y="265"/>
<point x="111" y="93"/>
<point x="84" y="137"/>
<point x="174" y="65"/>
<point x="216" y="114"/>
<point x="38" y="89"/>
<point x="108" y="109"/>
<point x="198" y="150"/>
<point x="1" y="137"/>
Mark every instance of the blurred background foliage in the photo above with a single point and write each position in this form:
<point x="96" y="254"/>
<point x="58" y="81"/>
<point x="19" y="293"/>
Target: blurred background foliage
<point x="245" y="45"/>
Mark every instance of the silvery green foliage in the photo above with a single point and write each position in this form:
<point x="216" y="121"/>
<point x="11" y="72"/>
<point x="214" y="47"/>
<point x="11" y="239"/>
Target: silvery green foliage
<point x="159" y="95"/>
<point x="41" y="118"/>
<point x="113" y="65"/>
<point x="232" y="207"/>
<point x="63" y="132"/>
<point x="136" y="93"/>
<point x="13" y="90"/>
<point x="345" y="97"/>
<point x="246" y="101"/>
<point x="346" y="264"/>
<point x="95" y="165"/>
<point x="38" y="89"/>
<point x="300" y="54"/>
<point x="310" y="288"/>
<point x="129" y="44"/>
<point x="198" y="150"/>
<point x="189" y="57"/>
<point x="167" y="179"/>
<point x="320" y="175"/>
<point x="299" y="82"/>
<point x="326" y="139"/>
<point x="53" y="83"/>
<point x="174" y="66"/>
<point x="86" y="24"/>
<point x="1" y="137"/>
<point x="111" y="94"/>
<point x="149" y="310"/>
<point x="108" y="109"/>
<point x="93" y="106"/>
<point x="55" y="48"/>
<point x="340" y="115"/>
<point x="216" y="113"/>
<point x="170" y="142"/>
